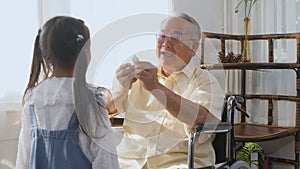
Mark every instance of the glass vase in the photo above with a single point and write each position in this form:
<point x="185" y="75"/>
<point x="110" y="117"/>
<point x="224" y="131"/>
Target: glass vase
<point x="246" y="56"/>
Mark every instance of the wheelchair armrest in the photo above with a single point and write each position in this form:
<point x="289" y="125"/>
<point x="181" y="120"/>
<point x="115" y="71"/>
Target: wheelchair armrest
<point x="212" y="127"/>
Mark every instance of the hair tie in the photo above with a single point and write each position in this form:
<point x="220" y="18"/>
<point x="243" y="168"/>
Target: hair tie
<point x="39" y="32"/>
<point x="79" y="38"/>
<point x="80" y="20"/>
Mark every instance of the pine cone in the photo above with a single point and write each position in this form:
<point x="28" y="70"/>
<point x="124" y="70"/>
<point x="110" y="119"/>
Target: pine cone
<point x="229" y="58"/>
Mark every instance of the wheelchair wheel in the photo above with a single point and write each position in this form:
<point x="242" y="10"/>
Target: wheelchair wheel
<point x="240" y="165"/>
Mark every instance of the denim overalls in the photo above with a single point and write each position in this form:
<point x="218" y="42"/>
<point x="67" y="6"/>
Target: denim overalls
<point x="56" y="149"/>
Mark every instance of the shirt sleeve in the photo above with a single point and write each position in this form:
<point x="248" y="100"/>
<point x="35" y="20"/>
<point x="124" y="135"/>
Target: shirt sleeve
<point x="101" y="152"/>
<point x="102" y="147"/>
<point x="137" y="99"/>
<point x="24" y="145"/>
<point x="92" y="113"/>
<point x="209" y="94"/>
<point x="105" y="154"/>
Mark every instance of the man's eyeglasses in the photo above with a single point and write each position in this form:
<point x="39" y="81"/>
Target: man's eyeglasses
<point x="173" y="39"/>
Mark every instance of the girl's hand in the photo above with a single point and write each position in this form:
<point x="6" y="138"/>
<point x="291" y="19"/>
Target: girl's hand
<point x="125" y="75"/>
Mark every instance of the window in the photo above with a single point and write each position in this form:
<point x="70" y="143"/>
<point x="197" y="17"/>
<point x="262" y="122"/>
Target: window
<point x="21" y="25"/>
<point x="18" y="30"/>
<point x="124" y="39"/>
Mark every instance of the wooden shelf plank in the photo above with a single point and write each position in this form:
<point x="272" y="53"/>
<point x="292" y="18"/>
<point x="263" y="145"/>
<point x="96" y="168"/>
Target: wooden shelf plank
<point x="250" y="66"/>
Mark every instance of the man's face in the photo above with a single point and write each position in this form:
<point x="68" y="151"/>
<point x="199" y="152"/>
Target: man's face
<point x="176" y="44"/>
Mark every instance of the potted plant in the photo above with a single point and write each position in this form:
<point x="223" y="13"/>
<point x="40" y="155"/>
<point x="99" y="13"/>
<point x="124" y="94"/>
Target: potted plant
<point x="245" y="155"/>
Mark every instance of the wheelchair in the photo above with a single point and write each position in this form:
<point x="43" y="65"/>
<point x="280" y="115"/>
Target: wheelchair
<point x="224" y="143"/>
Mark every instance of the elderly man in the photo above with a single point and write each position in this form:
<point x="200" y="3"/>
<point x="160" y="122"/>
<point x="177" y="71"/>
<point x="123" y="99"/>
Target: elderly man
<point x="162" y="104"/>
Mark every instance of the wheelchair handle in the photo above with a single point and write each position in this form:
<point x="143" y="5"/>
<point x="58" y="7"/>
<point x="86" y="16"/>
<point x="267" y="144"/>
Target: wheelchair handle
<point x="232" y="103"/>
<point x="243" y="111"/>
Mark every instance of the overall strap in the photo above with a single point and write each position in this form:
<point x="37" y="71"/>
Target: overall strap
<point x="73" y="123"/>
<point x="33" y="116"/>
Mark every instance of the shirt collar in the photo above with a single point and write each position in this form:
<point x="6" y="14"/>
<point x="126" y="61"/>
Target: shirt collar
<point x="189" y="69"/>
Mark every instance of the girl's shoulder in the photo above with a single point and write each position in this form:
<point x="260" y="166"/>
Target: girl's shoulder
<point x="50" y="91"/>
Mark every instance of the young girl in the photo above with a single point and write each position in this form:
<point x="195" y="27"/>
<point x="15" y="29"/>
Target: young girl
<point x="65" y="123"/>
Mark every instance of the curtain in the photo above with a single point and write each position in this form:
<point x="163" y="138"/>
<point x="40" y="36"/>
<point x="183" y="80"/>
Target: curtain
<point x="269" y="16"/>
<point x="276" y="16"/>
<point x="266" y="17"/>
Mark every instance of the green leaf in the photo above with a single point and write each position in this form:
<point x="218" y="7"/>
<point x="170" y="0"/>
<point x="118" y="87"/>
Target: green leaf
<point x="247" y="7"/>
<point x="237" y="6"/>
<point x="245" y="154"/>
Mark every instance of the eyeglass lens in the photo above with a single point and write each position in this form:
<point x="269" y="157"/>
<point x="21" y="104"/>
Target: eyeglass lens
<point x="173" y="40"/>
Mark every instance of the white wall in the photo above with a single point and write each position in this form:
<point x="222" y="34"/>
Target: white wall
<point x="208" y="13"/>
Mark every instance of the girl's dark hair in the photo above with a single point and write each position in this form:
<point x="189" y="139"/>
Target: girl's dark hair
<point x="56" y="45"/>
<point x="64" y="42"/>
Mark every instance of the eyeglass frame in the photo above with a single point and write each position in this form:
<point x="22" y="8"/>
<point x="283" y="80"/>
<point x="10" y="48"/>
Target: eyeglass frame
<point x="173" y="40"/>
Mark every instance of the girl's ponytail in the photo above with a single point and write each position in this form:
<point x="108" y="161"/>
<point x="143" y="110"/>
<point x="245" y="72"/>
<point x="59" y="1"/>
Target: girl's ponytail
<point x="37" y="62"/>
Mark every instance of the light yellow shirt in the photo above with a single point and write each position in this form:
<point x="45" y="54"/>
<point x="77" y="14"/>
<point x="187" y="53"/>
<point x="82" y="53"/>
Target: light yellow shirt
<point x="153" y="137"/>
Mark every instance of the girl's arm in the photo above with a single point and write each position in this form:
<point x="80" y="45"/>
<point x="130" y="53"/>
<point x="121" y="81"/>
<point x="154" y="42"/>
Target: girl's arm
<point x="111" y="108"/>
<point x="104" y="98"/>
<point x="125" y="77"/>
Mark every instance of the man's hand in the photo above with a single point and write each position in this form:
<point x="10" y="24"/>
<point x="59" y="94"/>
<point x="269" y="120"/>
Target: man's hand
<point x="147" y="73"/>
